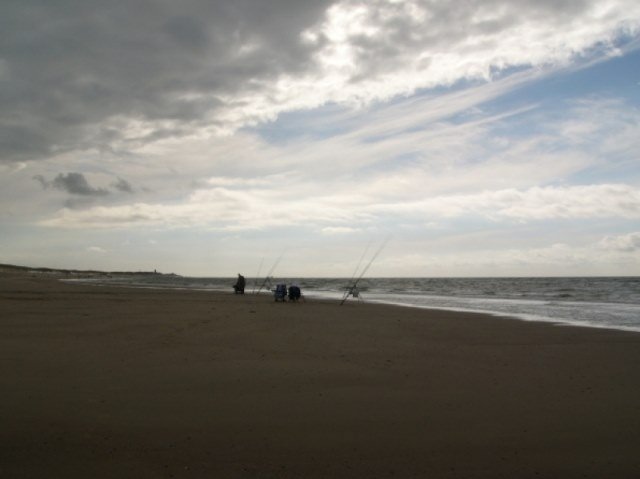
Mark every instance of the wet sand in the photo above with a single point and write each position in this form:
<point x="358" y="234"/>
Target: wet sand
<point x="106" y="382"/>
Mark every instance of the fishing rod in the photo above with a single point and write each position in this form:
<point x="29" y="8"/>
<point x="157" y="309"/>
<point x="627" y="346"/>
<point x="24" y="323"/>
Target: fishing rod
<point x="355" y="283"/>
<point x="355" y="271"/>
<point x="255" y="283"/>
<point x="266" y="279"/>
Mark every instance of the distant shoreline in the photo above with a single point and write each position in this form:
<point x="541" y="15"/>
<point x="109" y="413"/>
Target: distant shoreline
<point x="83" y="272"/>
<point x="602" y="302"/>
<point x="43" y="269"/>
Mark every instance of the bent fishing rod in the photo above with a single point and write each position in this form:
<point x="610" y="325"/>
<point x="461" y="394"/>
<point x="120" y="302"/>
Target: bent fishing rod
<point x="255" y="283"/>
<point x="355" y="283"/>
<point x="270" y="273"/>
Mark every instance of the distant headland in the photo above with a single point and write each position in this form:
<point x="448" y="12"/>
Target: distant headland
<point x="77" y="272"/>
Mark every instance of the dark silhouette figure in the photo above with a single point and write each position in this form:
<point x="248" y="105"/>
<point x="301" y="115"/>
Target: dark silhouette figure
<point x="239" y="286"/>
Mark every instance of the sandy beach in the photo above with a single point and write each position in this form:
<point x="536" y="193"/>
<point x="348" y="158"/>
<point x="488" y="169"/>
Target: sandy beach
<point x="105" y="382"/>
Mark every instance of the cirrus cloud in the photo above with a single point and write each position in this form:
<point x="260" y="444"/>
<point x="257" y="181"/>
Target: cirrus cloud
<point x="221" y="208"/>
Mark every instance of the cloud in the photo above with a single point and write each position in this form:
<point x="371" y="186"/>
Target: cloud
<point x="533" y="204"/>
<point x="624" y="243"/>
<point x="375" y="51"/>
<point x="43" y="182"/>
<point x="338" y="230"/>
<point x="226" y="209"/>
<point x="72" y="183"/>
<point x="561" y="258"/>
<point x="447" y="160"/>
<point x="77" y="184"/>
<point x="123" y="186"/>
<point x="96" y="249"/>
<point x="84" y="76"/>
<point x="115" y="76"/>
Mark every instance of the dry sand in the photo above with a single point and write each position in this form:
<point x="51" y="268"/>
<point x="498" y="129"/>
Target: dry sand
<point x="100" y="382"/>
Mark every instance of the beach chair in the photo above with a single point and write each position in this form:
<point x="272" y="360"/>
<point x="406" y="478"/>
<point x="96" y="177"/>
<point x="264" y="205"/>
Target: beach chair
<point x="280" y="293"/>
<point x="294" y="293"/>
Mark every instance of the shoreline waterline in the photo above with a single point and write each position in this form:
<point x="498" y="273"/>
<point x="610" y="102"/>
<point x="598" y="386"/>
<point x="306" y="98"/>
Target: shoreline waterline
<point x="603" y="302"/>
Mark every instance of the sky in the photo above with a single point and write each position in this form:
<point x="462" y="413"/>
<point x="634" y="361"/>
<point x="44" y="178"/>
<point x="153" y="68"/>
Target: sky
<point x="207" y="138"/>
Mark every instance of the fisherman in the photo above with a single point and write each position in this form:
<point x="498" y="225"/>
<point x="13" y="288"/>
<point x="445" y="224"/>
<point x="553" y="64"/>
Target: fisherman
<point x="239" y="286"/>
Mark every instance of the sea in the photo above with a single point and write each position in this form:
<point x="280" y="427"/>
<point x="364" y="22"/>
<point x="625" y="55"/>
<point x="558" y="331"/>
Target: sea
<point x="598" y="302"/>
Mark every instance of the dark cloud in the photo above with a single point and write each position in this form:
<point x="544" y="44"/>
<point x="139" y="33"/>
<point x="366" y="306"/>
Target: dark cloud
<point x="123" y="186"/>
<point x="22" y="142"/>
<point x="77" y="184"/>
<point x="71" y="70"/>
<point x="74" y="184"/>
<point x="66" y="67"/>
<point x="191" y="32"/>
<point x="40" y="179"/>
